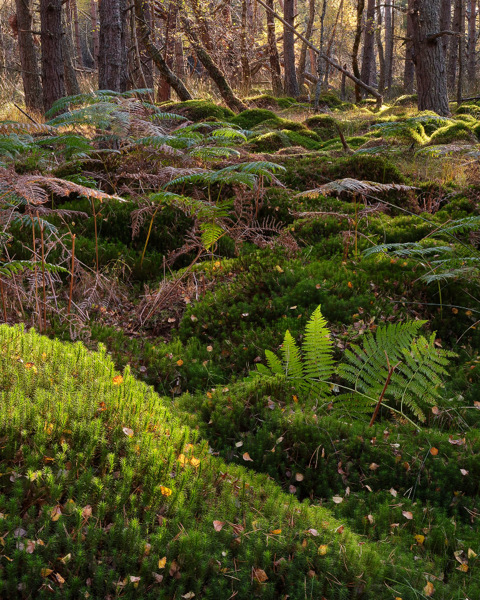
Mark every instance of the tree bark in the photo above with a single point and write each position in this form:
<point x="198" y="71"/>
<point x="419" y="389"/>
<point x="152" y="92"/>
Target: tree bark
<point x="381" y="55"/>
<point x="472" y="38"/>
<point x="112" y="58"/>
<point x="274" y="59"/>
<point x="52" y="52"/>
<point x="303" y="52"/>
<point x="454" y="46"/>
<point x="32" y="84"/>
<point x="71" y="83"/>
<point x="409" y="72"/>
<point x="445" y="23"/>
<point x="320" y="61"/>
<point x="389" y="33"/>
<point x="291" y="83"/>
<point x="164" y="88"/>
<point x="244" y="58"/>
<point x="95" y="38"/>
<point x="356" y="47"/>
<point x="428" y="56"/>
<point x="461" y="54"/>
<point x="76" y="29"/>
<point x="369" y="44"/>
<point x="155" y="54"/>
<point x="231" y="100"/>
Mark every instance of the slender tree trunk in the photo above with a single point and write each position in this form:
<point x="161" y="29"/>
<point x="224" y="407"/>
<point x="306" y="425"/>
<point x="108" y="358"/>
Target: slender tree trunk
<point x="76" y="29"/>
<point x="472" y="39"/>
<point x="381" y="55"/>
<point x="155" y="54"/>
<point x="461" y="54"/>
<point x="32" y="84"/>
<point x="52" y="52"/>
<point x="112" y="53"/>
<point x="454" y="46"/>
<point x="244" y="58"/>
<point x="164" y="88"/>
<point x="356" y="47"/>
<point x="179" y="58"/>
<point x="308" y="35"/>
<point x="71" y="84"/>
<point x="428" y="57"/>
<point x="320" y="60"/>
<point x="212" y="69"/>
<point x="95" y="37"/>
<point x="369" y="44"/>
<point x="409" y="72"/>
<point x="445" y="23"/>
<point x="291" y="83"/>
<point x="389" y="43"/>
<point x="273" y="57"/>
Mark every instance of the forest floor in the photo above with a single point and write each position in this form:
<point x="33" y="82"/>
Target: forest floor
<point x="183" y="241"/>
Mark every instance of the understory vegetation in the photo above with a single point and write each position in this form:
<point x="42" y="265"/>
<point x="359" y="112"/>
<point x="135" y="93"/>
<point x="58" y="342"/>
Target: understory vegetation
<point x="240" y="352"/>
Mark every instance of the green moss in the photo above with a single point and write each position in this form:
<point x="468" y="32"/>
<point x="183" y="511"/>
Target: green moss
<point x="269" y="142"/>
<point x="324" y="126"/>
<point x="200" y="110"/>
<point x="308" y="173"/>
<point x="469" y="109"/>
<point x="406" y="100"/>
<point x="451" y="133"/>
<point x="254" y="116"/>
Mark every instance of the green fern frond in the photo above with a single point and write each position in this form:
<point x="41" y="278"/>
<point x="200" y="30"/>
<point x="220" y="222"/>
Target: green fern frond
<point x="211" y="233"/>
<point x="292" y="362"/>
<point x="317" y="350"/>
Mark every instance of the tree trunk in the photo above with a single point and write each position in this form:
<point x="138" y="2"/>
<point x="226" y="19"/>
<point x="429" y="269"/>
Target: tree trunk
<point x="381" y="55"/>
<point x="461" y="54"/>
<point x="291" y="83"/>
<point x="303" y="51"/>
<point x="231" y="100"/>
<point x="369" y="44"/>
<point x="409" y="72"/>
<point x="76" y="29"/>
<point x="155" y="54"/>
<point x="95" y="38"/>
<point x="472" y="38"/>
<point x="356" y="46"/>
<point x="428" y="57"/>
<point x="389" y="42"/>
<point x="454" y="46"/>
<point x="445" y="23"/>
<point x="112" y="58"/>
<point x="52" y="52"/>
<point x="164" y="88"/>
<point x="32" y="85"/>
<point x="244" y="58"/>
<point x="71" y="84"/>
<point x="179" y="58"/>
<point x="273" y="57"/>
<point x="320" y="61"/>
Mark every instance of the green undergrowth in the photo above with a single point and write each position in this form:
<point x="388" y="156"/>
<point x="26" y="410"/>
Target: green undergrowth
<point x="104" y="492"/>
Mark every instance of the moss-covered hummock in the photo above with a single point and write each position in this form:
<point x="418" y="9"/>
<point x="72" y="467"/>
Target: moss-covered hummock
<point x="199" y="110"/>
<point x="248" y="119"/>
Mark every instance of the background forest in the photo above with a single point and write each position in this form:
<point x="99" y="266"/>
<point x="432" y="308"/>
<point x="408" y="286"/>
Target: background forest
<point x="240" y="298"/>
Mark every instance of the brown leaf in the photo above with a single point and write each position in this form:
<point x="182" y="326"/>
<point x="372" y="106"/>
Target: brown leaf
<point x="429" y="589"/>
<point x="87" y="511"/>
<point x="434" y="451"/>
<point x="299" y="477"/>
<point x="246" y="457"/>
<point x="373" y="466"/>
<point x="260" y="575"/>
<point x="407" y="514"/>
<point x="217" y="525"/>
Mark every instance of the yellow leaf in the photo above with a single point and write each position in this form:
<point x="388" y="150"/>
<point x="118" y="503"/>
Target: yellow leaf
<point x="350" y="284"/>
<point x="49" y="428"/>
<point x="162" y="562"/>
<point x="46" y="572"/>
<point x="147" y="548"/>
<point x="420" y="539"/>
<point x="246" y="457"/>
<point x="276" y="531"/>
<point x="182" y="460"/>
<point x="59" y="578"/>
<point x="55" y="513"/>
<point x="463" y="568"/>
<point x="179" y="362"/>
<point x="429" y="589"/>
<point x="471" y="553"/>
<point x="66" y="558"/>
<point x="322" y="549"/>
<point x="165" y="491"/>
<point x="194" y="461"/>
<point x="117" y="380"/>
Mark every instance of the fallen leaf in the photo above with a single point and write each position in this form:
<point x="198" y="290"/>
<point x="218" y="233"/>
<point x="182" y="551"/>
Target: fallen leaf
<point x="429" y="589"/>
<point x="279" y="268"/>
<point x="194" y="461"/>
<point x="276" y="531"/>
<point x="299" y="477"/>
<point x="46" y="572"/>
<point x="158" y="578"/>
<point x="189" y="595"/>
<point x="246" y="457"/>
<point x="128" y="432"/>
<point x="209" y="349"/>
<point x="323" y="549"/>
<point x="179" y="362"/>
<point x="373" y="466"/>
<point x="393" y="492"/>
<point x="260" y="575"/>
<point x="165" y="491"/>
<point x="117" y="380"/>
<point x="59" y="578"/>
<point x="370" y="519"/>
<point x="434" y="451"/>
<point x="65" y="559"/>
<point x="420" y="539"/>
<point x="314" y="532"/>
<point x="87" y="511"/>
<point x="218" y="525"/>
<point x="471" y="553"/>
<point x="463" y="568"/>
<point x="464" y="472"/>
<point x="407" y="514"/>
<point x="337" y="499"/>
<point x="55" y="513"/>
<point x="162" y="562"/>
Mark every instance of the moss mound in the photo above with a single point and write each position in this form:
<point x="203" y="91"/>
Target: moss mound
<point x="310" y="172"/>
<point x="199" y="110"/>
<point x="324" y="126"/>
<point x="451" y="133"/>
<point x="105" y="492"/>
<point x="270" y="142"/>
<point x="248" y="119"/>
<point x="406" y="100"/>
